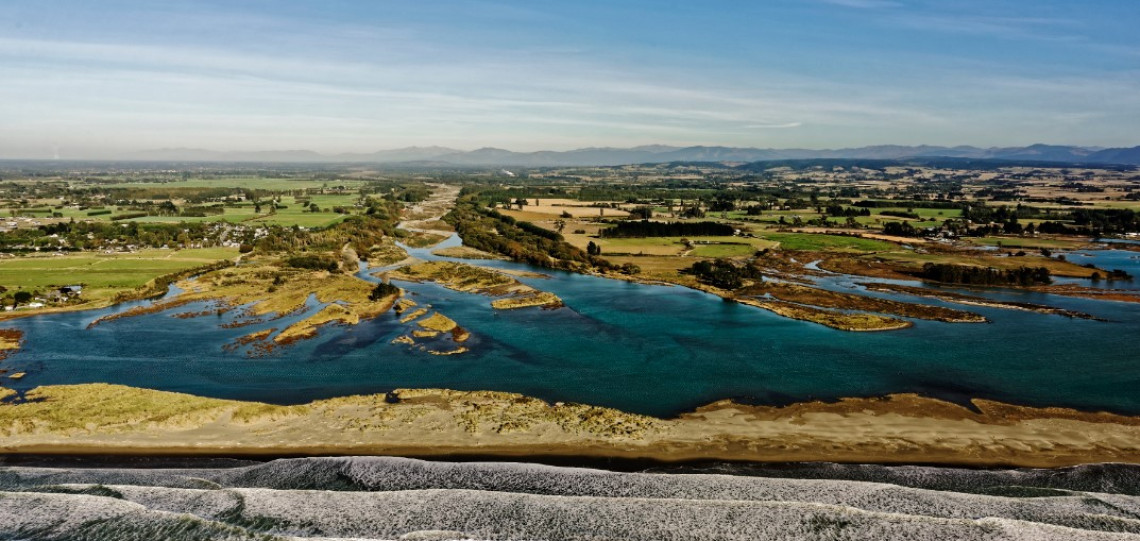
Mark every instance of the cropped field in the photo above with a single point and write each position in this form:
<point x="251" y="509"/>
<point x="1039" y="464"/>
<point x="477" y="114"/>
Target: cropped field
<point x="723" y="250"/>
<point x="642" y="246"/>
<point x="553" y="208"/>
<point x="814" y="242"/>
<point x="673" y="246"/>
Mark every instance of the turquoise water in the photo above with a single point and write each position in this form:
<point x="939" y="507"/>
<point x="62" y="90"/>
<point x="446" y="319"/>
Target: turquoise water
<point x="650" y="349"/>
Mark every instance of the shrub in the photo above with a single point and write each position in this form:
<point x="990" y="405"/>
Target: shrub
<point x="313" y="262"/>
<point x="383" y="290"/>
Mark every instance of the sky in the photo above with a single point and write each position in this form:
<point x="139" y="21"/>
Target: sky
<point x="103" y="78"/>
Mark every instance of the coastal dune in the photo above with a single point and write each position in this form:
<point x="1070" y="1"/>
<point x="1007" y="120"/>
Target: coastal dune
<point x="112" y="419"/>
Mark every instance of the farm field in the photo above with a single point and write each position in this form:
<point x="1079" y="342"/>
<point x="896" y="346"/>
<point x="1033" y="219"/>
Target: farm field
<point x="673" y="246"/>
<point x="103" y="275"/>
<point x="1055" y="266"/>
<point x="247" y="182"/>
<point x="817" y="242"/>
<point x="298" y="213"/>
<point x="1030" y="242"/>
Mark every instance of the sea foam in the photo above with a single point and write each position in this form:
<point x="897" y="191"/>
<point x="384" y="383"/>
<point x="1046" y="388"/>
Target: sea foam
<point x="393" y="498"/>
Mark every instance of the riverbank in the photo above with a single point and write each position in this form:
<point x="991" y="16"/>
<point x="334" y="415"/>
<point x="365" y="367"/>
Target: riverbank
<point x="973" y="300"/>
<point x="111" y="419"/>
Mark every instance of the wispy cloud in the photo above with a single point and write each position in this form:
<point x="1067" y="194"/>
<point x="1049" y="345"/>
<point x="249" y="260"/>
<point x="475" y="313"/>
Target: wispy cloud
<point x="379" y="78"/>
<point x="1040" y="28"/>
<point x="785" y="126"/>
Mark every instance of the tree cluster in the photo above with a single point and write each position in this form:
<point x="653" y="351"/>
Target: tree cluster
<point x="383" y="290"/>
<point x="985" y="276"/>
<point x="723" y="273"/>
<point x="313" y="262"/>
<point x="490" y="231"/>
<point x="840" y="211"/>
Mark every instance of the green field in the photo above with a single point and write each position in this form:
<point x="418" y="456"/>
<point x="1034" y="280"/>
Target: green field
<point x="722" y="247"/>
<point x="647" y="246"/>
<point x="294" y="213"/>
<point x="103" y="271"/>
<point x="253" y="183"/>
<point x="231" y="214"/>
<point x="297" y="214"/>
<point x="812" y="242"/>
<point x="723" y="250"/>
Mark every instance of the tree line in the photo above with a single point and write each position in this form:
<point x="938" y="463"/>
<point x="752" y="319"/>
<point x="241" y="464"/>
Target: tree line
<point x="985" y="276"/>
<point x="488" y="230"/>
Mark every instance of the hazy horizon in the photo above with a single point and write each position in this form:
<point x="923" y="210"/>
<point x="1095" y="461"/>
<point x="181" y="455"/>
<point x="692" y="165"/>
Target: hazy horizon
<point x="89" y="80"/>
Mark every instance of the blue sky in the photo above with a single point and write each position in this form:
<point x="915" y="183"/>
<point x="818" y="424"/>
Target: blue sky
<point x="101" y="78"/>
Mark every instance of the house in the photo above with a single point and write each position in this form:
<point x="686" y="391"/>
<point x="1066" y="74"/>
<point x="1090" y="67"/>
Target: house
<point x="65" y="292"/>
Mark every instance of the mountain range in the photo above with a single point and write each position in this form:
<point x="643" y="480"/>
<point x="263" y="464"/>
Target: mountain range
<point x="496" y="157"/>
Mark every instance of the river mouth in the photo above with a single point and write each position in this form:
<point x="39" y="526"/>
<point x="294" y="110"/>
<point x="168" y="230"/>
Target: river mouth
<point x="651" y="349"/>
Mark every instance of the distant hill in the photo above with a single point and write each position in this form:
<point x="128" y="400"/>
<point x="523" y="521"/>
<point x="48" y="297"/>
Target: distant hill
<point x="1129" y="156"/>
<point x="493" y="157"/>
<point x="202" y="155"/>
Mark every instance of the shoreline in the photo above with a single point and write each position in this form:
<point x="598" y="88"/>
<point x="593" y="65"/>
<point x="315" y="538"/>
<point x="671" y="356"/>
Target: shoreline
<point x="101" y="420"/>
<point x="58" y="457"/>
<point x="571" y="456"/>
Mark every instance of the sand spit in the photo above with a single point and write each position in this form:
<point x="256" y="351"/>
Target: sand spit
<point x="1094" y="293"/>
<point x="109" y="419"/>
<point x="466" y="252"/>
<point x="822" y="298"/>
<point x="844" y="321"/>
<point x="973" y="300"/>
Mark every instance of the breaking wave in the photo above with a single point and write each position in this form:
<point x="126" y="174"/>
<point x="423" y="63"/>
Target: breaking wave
<point x="396" y="498"/>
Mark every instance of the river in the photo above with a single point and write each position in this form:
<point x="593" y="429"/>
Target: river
<point x="658" y="350"/>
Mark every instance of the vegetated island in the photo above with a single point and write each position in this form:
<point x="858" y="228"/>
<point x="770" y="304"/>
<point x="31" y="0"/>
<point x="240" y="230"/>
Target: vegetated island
<point x="428" y="325"/>
<point x="479" y="280"/>
<point x="974" y="300"/>
<point x="268" y="289"/>
<point x="10" y="341"/>
<point x="465" y="252"/>
<point x="112" y="419"/>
